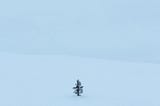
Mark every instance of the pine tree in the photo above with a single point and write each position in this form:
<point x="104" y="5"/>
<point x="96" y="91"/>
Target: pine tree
<point x="78" y="89"/>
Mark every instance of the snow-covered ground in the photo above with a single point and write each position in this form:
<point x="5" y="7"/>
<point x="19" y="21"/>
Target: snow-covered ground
<point x="112" y="46"/>
<point x="47" y="80"/>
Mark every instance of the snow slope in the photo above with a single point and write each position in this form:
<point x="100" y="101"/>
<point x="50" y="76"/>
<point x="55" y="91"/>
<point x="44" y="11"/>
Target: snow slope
<point x="117" y="42"/>
<point x="47" y="80"/>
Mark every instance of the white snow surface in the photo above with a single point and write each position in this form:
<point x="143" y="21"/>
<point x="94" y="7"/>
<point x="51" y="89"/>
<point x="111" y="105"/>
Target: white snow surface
<point x="111" y="46"/>
<point x="47" y="80"/>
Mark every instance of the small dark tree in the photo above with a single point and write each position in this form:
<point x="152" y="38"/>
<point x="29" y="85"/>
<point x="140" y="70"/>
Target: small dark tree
<point x="78" y="89"/>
